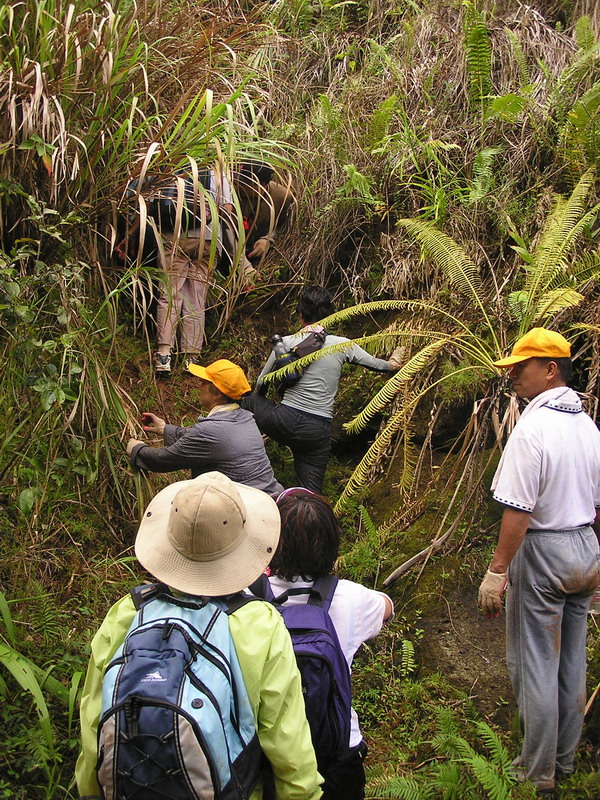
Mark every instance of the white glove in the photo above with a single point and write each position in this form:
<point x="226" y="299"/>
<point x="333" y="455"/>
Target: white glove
<point x="397" y="357"/>
<point x="490" y="593"/>
<point x="131" y="444"/>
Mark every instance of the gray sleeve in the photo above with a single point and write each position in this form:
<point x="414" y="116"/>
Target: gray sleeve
<point x="266" y="369"/>
<point x="356" y="355"/>
<point x="188" y="451"/>
<point x="173" y="432"/>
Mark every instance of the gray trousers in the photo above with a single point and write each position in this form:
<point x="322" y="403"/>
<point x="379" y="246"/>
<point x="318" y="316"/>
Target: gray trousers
<point x="551" y="580"/>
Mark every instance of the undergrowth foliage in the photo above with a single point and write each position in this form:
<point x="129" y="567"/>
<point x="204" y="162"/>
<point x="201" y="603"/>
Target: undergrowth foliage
<point x="443" y="159"/>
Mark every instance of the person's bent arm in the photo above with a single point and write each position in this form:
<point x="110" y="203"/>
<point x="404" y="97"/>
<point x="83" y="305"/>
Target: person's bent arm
<point x="389" y="608"/>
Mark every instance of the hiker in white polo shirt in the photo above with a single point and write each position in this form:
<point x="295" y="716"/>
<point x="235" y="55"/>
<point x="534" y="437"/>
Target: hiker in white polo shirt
<point x="548" y="481"/>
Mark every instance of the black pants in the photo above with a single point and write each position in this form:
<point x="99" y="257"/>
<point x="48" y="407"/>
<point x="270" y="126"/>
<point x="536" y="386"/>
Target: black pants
<point x="307" y="435"/>
<point x="344" y="779"/>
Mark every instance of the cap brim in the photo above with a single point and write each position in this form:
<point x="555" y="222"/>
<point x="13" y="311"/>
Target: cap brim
<point x="198" y="371"/>
<point x="509" y="361"/>
<point x="224" y="575"/>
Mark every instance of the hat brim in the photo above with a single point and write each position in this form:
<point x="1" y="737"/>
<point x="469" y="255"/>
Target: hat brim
<point x="199" y="372"/>
<point x="226" y="575"/>
<point x="509" y="361"/>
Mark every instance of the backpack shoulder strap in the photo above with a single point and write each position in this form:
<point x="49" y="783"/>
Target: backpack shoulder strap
<point x="322" y="591"/>
<point x="236" y="601"/>
<point x="261" y="588"/>
<point x="143" y="594"/>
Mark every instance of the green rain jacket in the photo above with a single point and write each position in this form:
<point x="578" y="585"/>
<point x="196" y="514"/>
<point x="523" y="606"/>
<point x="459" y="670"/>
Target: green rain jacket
<point x="268" y="664"/>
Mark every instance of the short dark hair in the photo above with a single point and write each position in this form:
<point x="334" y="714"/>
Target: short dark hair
<point x="262" y="172"/>
<point x="565" y="366"/>
<point x="310" y="536"/>
<point x="314" y="303"/>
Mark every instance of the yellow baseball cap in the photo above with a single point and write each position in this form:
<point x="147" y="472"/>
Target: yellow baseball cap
<point x="538" y="343"/>
<point x="225" y="375"/>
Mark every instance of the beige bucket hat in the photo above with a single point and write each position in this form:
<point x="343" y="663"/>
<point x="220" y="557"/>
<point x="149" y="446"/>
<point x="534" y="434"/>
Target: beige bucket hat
<point x="208" y="536"/>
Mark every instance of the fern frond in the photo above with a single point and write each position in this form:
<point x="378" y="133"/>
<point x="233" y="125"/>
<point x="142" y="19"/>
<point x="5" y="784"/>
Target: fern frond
<point x="398" y="788"/>
<point x="365" y="309"/>
<point x="580" y="272"/>
<point x="410" y="458"/>
<point x="380" y="445"/>
<point x="447" y="255"/>
<point x="584" y="34"/>
<point x="446" y="721"/>
<point x="368" y="523"/>
<point x="379" y="125"/>
<point x="448" y="778"/>
<point x="407" y="658"/>
<point x="584" y="64"/>
<point x="387" y="393"/>
<point x="499" y="754"/>
<point x="456" y="265"/>
<point x="506" y="106"/>
<point x="495" y="785"/>
<point x="560" y="234"/>
<point x="579" y="135"/>
<point x="517" y="303"/>
<point x="483" y="173"/>
<point x="388" y="340"/>
<point x="555" y="300"/>
<point x="478" y="55"/>
<point x="519" y="57"/>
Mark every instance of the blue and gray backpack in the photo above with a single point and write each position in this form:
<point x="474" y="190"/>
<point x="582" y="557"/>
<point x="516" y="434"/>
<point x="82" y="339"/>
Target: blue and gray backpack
<point x="176" y="721"/>
<point x="323" y="667"/>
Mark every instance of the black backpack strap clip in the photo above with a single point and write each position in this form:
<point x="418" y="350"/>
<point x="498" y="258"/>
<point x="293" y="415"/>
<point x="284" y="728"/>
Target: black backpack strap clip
<point x="236" y="601"/>
<point x="322" y="591"/>
<point x="146" y="592"/>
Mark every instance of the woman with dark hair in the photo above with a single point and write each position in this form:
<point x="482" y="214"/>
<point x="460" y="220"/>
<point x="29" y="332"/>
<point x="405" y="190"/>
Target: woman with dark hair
<point x="302" y="420"/>
<point x="308" y="549"/>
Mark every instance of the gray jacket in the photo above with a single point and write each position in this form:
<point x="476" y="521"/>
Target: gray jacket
<point x="227" y="441"/>
<point x="315" y="392"/>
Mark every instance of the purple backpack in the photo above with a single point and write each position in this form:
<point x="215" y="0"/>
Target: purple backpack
<point x="322" y="664"/>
